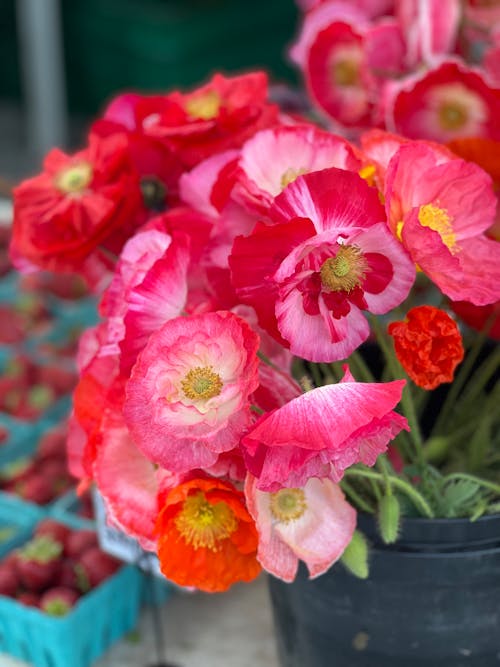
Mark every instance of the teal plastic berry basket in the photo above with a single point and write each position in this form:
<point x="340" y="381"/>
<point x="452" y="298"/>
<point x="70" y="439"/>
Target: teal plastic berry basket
<point x="66" y="509"/>
<point x="16" y="524"/>
<point x="97" y="621"/>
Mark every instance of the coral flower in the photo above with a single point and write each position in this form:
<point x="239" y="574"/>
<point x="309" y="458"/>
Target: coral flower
<point x="313" y="524"/>
<point x="206" y="537"/>
<point x="328" y="257"/>
<point x="441" y="219"/>
<point x="428" y="345"/>
<point x="187" y="397"/>
<point x="78" y="203"/>
<point x="323" y="432"/>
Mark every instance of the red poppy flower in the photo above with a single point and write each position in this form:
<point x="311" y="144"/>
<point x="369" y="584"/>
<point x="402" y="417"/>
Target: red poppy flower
<point x="206" y="537"/>
<point x="76" y="204"/>
<point x="220" y="115"/>
<point x="428" y="345"/>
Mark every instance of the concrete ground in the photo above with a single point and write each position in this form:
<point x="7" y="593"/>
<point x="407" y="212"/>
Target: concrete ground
<point x="233" y="629"/>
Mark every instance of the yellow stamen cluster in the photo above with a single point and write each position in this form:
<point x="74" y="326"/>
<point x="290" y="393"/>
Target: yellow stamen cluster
<point x="201" y="383"/>
<point x="345" y="72"/>
<point x="452" y="115"/>
<point x="288" y="504"/>
<point x="345" y="271"/>
<point x="203" y="524"/>
<point x="74" y="179"/>
<point x="205" y="106"/>
<point x="290" y="175"/>
<point x="438" y="219"/>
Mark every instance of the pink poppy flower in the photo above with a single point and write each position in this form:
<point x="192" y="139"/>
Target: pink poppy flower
<point x="321" y="16"/>
<point x="187" y="397"/>
<point x="149" y="287"/>
<point x="329" y="256"/>
<point x="444" y="103"/>
<point x="313" y="523"/>
<point x="441" y="218"/>
<point x="430" y="28"/>
<point x="128" y="481"/>
<point x="208" y="189"/>
<point x="337" y="75"/>
<point x="296" y="150"/>
<point x="323" y="432"/>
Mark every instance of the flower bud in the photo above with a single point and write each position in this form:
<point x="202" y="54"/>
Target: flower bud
<point x="355" y="557"/>
<point x="389" y="518"/>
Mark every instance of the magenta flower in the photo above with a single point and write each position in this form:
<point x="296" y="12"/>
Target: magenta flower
<point x="328" y="257"/>
<point x="187" y="397"/>
<point x="323" y="432"/>
<point x="313" y="523"/>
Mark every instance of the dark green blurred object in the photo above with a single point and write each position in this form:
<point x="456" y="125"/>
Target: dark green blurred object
<point x="155" y="45"/>
<point x="159" y="44"/>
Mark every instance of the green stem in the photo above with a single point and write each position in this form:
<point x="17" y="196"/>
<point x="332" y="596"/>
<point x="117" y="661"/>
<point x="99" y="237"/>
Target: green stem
<point x="363" y="504"/>
<point x="315" y="372"/>
<point x="397" y="482"/>
<point x="360" y="367"/>
<point x="460" y="379"/>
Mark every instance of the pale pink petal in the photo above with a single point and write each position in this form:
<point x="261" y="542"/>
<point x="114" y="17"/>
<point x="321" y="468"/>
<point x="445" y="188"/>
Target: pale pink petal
<point x="195" y="187"/>
<point x="128" y="482"/>
<point x="318" y="537"/>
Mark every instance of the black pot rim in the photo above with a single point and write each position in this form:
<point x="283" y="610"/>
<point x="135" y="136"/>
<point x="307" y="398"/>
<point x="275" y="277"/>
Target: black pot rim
<point x="439" y="534"/>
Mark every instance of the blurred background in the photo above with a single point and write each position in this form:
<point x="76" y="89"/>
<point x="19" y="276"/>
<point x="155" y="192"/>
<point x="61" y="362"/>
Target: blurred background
<point x="62" y="60"/>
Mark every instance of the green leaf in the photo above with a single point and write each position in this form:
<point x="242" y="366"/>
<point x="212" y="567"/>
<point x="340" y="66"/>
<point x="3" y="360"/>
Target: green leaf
<point x="457" y="497"/>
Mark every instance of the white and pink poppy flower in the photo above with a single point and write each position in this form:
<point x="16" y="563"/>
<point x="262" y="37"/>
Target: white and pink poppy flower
<point x="187" y="399"/>
<point x="430" y="28"/>
<point x="295" y="150"/>
<point x="328" y="257"/>
<point x="323" y="432"/>
<point x="441" y="219"/>
<point x="313" y="523"/>
<point x="149" y="287"/>
<point x="444" y="103"/>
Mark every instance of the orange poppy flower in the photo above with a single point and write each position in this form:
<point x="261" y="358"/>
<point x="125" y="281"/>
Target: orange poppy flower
<point x="428" y="345"/>
<point x="206" y="537"/>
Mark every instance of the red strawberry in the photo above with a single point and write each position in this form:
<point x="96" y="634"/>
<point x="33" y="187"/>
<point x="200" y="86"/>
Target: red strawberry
<point x="52" y="445"/>
<point x="58" y="601"/>
<point x="4" y="435"/>
<point x="36" y="489"/>
<point x="28" y="598"/>
<point x="54" y="529"/>
<point x="38" y="562"/>
<point x="9" y="581"/>
<point x="80" y="541"/>
<point x="67" y="575"/>
<point x="93" y="567"/>
<point x="60" y="380"/>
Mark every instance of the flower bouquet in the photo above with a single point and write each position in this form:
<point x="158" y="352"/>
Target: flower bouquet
<point x="295" y="327"/>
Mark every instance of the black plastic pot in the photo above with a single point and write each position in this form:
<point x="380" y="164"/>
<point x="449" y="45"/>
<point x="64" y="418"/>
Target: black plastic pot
<point x="431" y="600"/>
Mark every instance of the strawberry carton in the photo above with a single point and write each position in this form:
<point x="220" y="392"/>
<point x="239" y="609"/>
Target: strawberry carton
<point x="71" y="599"/>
